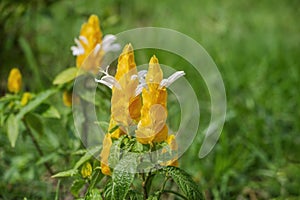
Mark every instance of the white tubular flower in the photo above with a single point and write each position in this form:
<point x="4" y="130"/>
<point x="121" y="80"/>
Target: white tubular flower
<point x="108" y="43"/>
<point x="108" y="80"/>
<point x="78" y="50"/>
<point x="167" y="82"/>
<point x="142" y="82"/>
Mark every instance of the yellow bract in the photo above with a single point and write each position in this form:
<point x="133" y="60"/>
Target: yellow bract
<point x="86" y="170"/>
<point x="67" y="98"/>
<point x="14" y="83"/>
<point x="152" y="126"/>
<point x="104" y="155"/>
<point x="92" y="32"/>
<point x="25" y="98"/>
<point x="125" y="105"/>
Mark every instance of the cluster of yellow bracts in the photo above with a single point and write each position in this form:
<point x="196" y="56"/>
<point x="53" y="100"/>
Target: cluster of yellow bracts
<point x="147" y="110"/>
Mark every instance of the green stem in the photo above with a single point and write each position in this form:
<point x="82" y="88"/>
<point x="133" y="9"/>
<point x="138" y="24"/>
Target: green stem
<point x="38" y="148"/>
<point x="144" y="185"/>
<point x="176" y="193"/>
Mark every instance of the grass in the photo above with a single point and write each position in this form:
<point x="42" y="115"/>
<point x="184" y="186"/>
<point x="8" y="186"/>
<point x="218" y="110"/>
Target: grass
<point x="256" y="48"/>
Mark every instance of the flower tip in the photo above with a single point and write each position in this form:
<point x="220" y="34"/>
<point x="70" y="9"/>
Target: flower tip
<point x="153" y="60"/>
<point x="93" y="19"/>
<point x="128" y="48"/>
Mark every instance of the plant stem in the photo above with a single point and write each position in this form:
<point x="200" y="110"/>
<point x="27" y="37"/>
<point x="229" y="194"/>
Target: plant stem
<point x="144" y="184"/>
<point x="38" y="148"/>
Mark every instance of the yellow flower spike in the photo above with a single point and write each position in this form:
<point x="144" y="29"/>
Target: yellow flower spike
<point x="90" y="36"/>
<point x="14" y="82"/>
<point x="125" y="105"/>
<point x="152" y="126"/>
<point x="86" y="170"/>
<point x="67" y="98"/>
<point x="25" y="98"/>
<point x="104" y="155"/>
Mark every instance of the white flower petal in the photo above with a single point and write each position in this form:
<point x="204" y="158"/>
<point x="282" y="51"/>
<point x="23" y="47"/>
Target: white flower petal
<point x="139" y="88"/>
<point x="167" y="82"/>
<point x="77" y="50"/>
<point x="112" y="47"/>
<point x="133" y="77"/>
<point x="96" y="49"/>
<point x="108" y="80"/>
<point x="83" y="39"/>
<point x="107" y="43"/>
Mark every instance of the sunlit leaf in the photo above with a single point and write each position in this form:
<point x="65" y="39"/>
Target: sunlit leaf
<point x="67" y="173"/>
<point x="12" y="129"/>
<point x="66" y="76"/>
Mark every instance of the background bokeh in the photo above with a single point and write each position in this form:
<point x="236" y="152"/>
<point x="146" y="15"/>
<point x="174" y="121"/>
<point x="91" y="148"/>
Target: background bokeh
<point x="256" y="46"/>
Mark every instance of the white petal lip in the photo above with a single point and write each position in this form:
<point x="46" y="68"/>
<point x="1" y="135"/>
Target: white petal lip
<point x="107" y="43"/>
<point x="96" y="49"/>
<point x="109" y="81"/>
<point x="83" y="39"/>
<point x="77" y="50"/>
<point x="167" y="82"/>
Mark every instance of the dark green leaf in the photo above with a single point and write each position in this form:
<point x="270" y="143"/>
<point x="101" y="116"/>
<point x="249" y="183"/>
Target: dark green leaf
<point x="76" y="186"/>
<point x="88" y="155"/>
<point x="34" y="103"/>
<point x="96" y="177"/>
<point x="184" y="182"/>
<point x="123" y="176"/>
<point x="94" y="195"/>
<point x="133" y="195"/>
<point x="108" y="190"/>
<point x="35" y="123"/>
<point x="32" y="63"/>
<point x="12" y="129"/>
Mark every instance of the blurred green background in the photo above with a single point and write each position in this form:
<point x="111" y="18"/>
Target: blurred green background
<point x="256" y="46"/>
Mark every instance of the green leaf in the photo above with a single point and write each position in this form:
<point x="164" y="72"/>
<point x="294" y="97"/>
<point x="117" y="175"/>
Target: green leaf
<point x="76" y="186"/>
<point x="66" y="76"/>
<point x="88" y="155"/>
<point x="94" y="195"/>
<point x="133" y="195"/>
<point x="123" y="176"/>
<point x="154" y="196"/>
<point x="32" y="63"/>
<point x="67" y="173"/>
<point x="34" y="103"/>
<point x="12" y="129"/>
<point x="51" y="112"/>
<point x="184" y="182"/>
<point x="96" y="177"/>
<point x="34" y="122"/>
<point x="107" y="194"/>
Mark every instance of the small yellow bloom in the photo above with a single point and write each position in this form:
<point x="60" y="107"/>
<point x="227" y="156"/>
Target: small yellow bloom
<point x="125" y="105"/>
<point x="14" y="83"/>
<point x="92" y="35"/>
<point x="91" y="47"/>
<point x="152" y="126"/>
<point x="104" y="155"/>
<point x="86" y="170"/>
<point x="67" y="98"/>
<point x="25" y="98"/>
